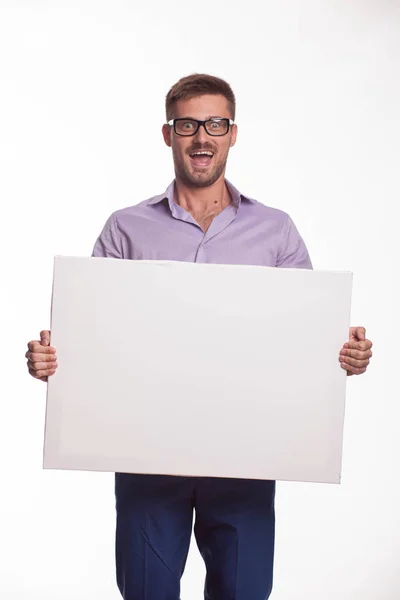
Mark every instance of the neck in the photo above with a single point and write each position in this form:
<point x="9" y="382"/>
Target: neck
<point x="201" y="201"/>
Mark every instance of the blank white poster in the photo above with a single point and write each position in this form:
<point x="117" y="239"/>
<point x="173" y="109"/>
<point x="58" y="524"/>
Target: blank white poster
<point x="197" y="369"/>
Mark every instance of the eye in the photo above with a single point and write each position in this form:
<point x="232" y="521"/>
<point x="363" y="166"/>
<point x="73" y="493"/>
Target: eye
<point x="215" y="125"/>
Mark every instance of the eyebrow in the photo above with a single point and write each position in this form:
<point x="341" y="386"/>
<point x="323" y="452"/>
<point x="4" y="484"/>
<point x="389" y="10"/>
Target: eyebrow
<point x="206" y="119"/>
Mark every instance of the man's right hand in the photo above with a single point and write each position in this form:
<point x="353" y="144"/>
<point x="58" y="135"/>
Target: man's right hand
<point x="42" y="359"/>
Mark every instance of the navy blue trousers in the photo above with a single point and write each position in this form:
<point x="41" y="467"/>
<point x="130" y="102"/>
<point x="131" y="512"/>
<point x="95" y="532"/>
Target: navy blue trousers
<point x="234" y="530"/>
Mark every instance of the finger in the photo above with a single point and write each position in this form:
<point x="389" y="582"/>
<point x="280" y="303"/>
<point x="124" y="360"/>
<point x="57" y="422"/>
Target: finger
<point x="358" y="333"/>
<point x="36" y="346"/>
<point x="42" y="374"/>
<point x="353" y="370"/>
<point x="365" y="345"/>
<point x="42" y="366"/>
<point x="353" y="353"/>
<point x="45" y="337"/>
<point x="35" y="357"/>
<point x="354" y="362"/>
<point x="39" y="378"/>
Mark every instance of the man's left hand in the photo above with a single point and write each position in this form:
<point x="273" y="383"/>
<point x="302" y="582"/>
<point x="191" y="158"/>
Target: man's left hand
<point x="356" y="353"/>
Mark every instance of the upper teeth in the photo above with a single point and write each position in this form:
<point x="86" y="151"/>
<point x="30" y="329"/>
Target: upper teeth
<point x="203" y="152"/>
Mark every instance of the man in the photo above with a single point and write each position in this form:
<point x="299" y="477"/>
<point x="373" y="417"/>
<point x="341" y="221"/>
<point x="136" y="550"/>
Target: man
<point x="200" y="218"/>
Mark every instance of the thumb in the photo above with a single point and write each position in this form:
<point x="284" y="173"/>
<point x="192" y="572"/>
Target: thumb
<point x="45" y="338"/>
<point x="359" y="333"/>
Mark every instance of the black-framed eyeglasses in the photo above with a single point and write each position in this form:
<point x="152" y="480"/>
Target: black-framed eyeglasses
<point x="187" y="127"/>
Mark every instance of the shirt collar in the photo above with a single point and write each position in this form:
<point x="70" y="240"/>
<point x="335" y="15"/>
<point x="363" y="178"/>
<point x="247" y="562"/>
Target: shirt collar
<point x="237" y="197"/>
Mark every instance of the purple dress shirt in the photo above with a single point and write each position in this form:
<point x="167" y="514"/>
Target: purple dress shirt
<point x="245" y="233"/>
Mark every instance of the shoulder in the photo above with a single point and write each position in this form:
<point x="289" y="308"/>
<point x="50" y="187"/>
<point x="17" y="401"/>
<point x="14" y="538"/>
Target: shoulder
<point x="125" y="224"/>
<point x="137" y="210"/>
<point x="264" y="212"/>
<point x="142" y="205"/>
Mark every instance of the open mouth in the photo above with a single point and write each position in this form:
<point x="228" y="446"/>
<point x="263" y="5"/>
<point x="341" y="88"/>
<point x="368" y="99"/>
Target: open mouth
<point x="201" y="158"/>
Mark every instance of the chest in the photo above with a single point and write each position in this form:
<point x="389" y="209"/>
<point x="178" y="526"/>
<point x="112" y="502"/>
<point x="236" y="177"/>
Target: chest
<point x="179" y="241"/>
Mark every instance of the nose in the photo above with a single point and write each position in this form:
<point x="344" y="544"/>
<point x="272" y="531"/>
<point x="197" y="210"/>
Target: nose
<point x="201" y="135"/>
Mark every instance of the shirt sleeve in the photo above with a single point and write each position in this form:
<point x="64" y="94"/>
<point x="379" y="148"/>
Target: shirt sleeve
<point x="108" y="244"/>
<point x="292" y="252"/>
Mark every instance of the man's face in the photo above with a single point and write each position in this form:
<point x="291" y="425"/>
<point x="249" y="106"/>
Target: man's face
<point x="192" y="169"/>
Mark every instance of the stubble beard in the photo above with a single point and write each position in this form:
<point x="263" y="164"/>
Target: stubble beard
<point x="199" y="178"/>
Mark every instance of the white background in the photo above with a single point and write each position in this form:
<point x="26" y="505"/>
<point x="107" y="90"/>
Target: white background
<point x="82" y="88"/>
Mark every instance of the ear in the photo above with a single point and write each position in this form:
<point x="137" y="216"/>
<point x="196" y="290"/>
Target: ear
<point x="166" y="131"/>
<point x="234" y="135"/>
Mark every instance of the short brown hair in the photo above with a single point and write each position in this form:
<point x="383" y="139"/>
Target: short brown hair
<point x="196" y="85"/>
